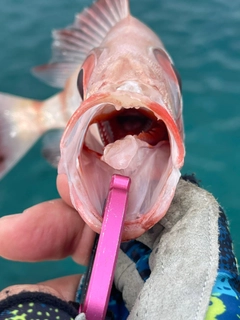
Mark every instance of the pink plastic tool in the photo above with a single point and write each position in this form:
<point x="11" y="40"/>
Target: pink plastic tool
<point x="100" y="284"/>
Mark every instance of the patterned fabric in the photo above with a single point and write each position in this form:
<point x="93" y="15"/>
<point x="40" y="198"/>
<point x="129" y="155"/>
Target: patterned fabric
<point x="116" y="306"/>
<point x="36" y="305"/>
<point x="224" y="303"/>
<point x="139" y="254"/>
<point x="227" y="260"/>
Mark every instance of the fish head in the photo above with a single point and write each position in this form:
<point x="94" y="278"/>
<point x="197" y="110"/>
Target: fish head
<point x="129" y="123"/>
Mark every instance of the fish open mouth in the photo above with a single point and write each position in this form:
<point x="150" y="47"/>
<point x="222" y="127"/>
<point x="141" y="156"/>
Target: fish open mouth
<point x="116" y="125"/>
<point x="121" y="136"/>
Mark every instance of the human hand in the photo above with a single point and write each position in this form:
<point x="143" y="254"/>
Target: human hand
<point x="184" y="256"/>
<point x="48" y="231"/>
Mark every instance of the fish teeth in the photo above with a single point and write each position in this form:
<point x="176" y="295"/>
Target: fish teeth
<point x="106" y="132"/>
<point x="118" y="108"/>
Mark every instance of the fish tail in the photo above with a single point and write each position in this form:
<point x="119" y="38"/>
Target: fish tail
<point x="22" y="122"/>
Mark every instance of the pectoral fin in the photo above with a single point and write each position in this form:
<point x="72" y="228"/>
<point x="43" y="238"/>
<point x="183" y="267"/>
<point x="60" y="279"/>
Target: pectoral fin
<point x="51" y="146"/>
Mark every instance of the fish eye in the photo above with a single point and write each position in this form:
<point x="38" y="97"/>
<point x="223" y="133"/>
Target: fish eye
<point x="178" y="77"/>
<point x="80" y="83"/>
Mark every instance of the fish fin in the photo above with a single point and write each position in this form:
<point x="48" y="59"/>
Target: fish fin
<point x="71" y="45"/>
<point x="18" y="129"/>
<point x="55" y="74"/>
<point x="22" y="123"/>
<point x="51" y="146"/>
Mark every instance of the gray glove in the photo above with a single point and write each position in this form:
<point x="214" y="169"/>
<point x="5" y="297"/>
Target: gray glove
<point x="183" y="261"/>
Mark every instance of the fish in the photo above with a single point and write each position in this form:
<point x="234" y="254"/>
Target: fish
<point x="120" y="111"/>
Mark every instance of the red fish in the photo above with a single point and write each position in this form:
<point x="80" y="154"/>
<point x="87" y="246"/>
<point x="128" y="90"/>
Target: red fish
<point x="121" y="108"/>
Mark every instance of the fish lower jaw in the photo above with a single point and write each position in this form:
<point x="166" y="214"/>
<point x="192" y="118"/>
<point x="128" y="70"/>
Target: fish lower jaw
<point x="137" y="223"/>
<point x="149" y="169"/>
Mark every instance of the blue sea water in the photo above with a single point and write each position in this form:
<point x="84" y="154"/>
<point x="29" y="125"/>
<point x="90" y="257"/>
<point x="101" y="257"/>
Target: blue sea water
<point x="203" y="39"/>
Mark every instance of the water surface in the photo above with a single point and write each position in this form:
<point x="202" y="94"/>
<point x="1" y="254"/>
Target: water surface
<point x="203" y="39"/>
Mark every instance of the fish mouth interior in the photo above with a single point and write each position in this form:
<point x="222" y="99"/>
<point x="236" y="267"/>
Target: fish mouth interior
<point x="117" y="124"/>
<point x="129" y="133"/>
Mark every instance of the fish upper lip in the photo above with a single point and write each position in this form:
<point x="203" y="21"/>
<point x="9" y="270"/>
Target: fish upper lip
<point x="137" y="111"/>
<point x="130" y="100"/>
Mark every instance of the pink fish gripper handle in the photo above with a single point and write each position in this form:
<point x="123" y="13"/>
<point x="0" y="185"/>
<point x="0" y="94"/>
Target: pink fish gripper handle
<point x="100" y="284"/>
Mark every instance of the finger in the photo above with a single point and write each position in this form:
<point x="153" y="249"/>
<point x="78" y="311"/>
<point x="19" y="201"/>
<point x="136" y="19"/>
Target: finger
<point x="63" y="189"/>
<point x="47" y="231"/>
<point x="64" y="288"/>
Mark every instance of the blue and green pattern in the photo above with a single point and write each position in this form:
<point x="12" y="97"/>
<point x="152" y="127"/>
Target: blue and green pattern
<point x="36" y="305"/>
<point x="225" y="298"/>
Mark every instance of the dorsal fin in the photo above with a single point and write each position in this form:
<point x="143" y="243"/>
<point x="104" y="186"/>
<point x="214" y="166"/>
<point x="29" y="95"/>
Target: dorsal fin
<point x="71" y="45"/>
